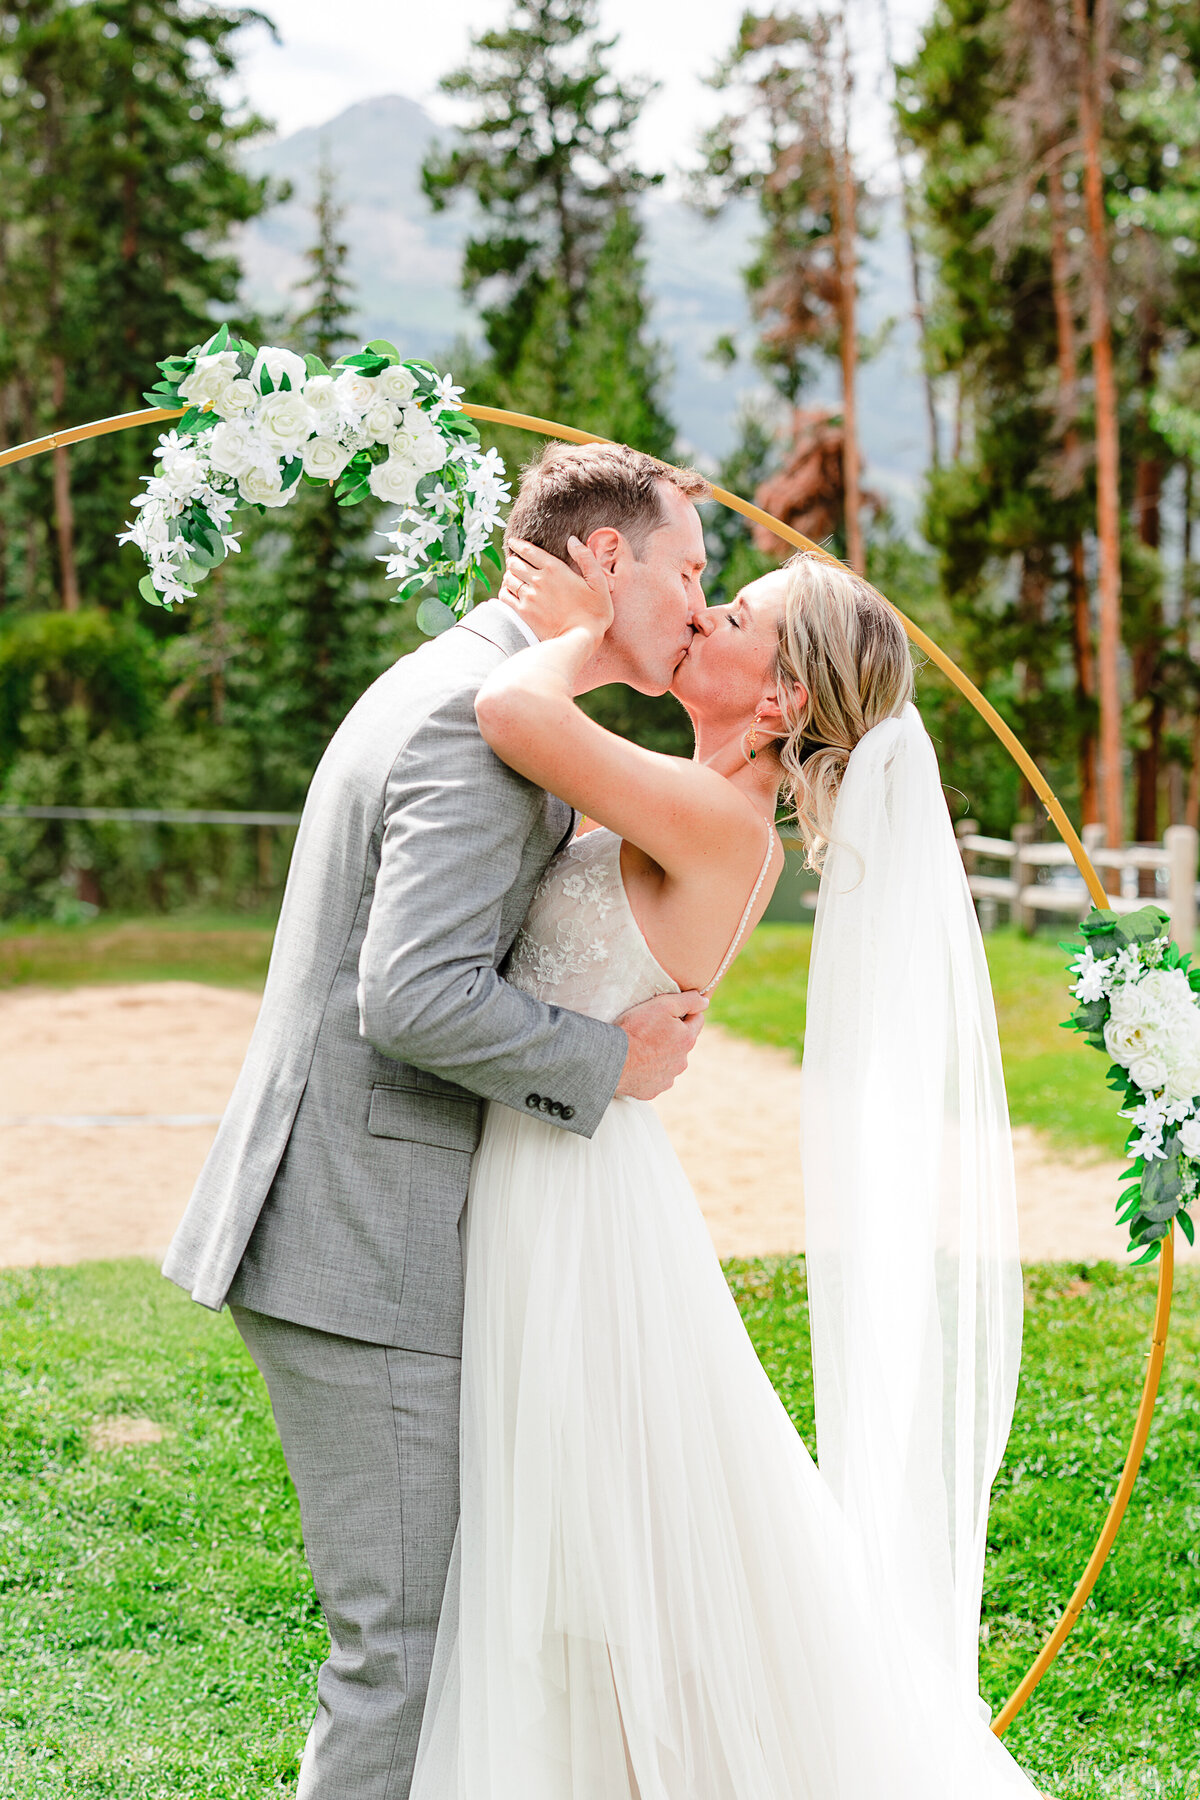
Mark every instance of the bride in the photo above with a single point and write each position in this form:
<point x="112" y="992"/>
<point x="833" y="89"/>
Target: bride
<point x="654" y="1594"/>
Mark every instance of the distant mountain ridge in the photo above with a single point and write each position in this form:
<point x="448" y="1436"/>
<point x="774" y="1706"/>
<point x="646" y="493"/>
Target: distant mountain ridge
<point x="404" y="262"/>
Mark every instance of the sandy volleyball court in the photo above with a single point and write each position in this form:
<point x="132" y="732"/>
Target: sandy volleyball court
<point x="109" y="1098"/>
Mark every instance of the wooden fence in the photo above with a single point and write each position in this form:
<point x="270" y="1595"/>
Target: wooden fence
<point x="1036" y="878"/>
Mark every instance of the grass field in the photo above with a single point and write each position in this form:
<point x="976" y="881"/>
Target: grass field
<point x="1054" y="1080"/>
<point x="160" y="1637"/>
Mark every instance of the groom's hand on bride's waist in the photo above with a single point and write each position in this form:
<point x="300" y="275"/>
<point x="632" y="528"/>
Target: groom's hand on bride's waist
<point x="661" y="1034"/>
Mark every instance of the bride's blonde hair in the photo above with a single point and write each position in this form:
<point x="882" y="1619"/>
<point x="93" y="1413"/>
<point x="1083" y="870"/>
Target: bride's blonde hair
<point x="843" y="644"/>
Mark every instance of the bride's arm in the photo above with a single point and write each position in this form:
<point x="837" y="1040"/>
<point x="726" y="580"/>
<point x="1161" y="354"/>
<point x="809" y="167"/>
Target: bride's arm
<point x="680" y="813"/>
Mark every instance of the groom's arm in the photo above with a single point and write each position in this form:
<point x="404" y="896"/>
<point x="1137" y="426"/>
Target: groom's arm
<point x="456" y="821"/>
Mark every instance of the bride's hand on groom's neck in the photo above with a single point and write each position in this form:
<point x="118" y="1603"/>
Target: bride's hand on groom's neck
<point x="554" y="599"/>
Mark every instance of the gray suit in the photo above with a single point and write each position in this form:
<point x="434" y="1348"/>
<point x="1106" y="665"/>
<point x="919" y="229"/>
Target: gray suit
<point x="327" y="1212"/>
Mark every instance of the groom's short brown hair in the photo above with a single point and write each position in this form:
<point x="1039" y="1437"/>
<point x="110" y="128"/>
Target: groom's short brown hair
<point x="572" y="490"/>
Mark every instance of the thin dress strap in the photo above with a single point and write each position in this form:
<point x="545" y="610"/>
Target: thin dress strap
<point x="745" y="919"/>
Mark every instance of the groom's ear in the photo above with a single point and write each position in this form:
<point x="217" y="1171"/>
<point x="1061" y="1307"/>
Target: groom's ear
<point x="605" y="546"/>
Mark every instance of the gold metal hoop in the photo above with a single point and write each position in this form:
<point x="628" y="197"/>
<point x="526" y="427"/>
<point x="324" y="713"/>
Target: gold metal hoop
<point x="493" y="415"/>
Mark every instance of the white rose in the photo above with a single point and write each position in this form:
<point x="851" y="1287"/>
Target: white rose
<point x="1189" y="1137"/>
<point x="1168" y="992"/>
<point x="278" y="363"/>
<point x="396" y="383"/>
<point x="231" y="448"/>
<point x="284" y="421"/>
<point x="1149" y="1068"/>
<point x="380" y="421"/>
<point x="1183" y="1059"/>
<point x="1127" y="1031"/>
<point x="324" y="459"/>
<point x="209" y="376"/>
<point x="430" y="449"/>
<point x="320" y="392"/>
<point x="355" y="392"/>
<point x="264" y="487"/>
<point x="235" y="398"/>
<point x="394" y="480"/>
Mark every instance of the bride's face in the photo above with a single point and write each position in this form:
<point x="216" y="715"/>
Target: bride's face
<point x="729" y="666"/>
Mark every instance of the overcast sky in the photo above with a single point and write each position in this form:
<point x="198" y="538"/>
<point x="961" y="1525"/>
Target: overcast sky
<point x="333" y="54"/>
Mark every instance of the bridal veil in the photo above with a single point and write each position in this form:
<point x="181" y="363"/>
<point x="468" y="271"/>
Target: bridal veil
<point x="913" y="1270"/>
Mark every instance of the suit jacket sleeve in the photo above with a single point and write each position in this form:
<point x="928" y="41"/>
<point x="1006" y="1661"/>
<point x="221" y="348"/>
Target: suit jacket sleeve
<point x="455" y="823"/>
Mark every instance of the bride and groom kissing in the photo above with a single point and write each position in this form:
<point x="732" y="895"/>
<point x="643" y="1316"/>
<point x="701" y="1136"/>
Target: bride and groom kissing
<point x="567" y="1542"/>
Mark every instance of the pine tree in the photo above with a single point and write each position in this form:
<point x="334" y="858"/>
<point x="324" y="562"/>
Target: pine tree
<point x="120" y="181"/>
<point x="555" y="259"/>
<point x="788" y="146"/>
<point x="616" y="372"/>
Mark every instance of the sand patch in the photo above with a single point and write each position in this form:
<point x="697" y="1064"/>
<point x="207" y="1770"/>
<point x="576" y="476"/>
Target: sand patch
<point x="155" y="1051"/>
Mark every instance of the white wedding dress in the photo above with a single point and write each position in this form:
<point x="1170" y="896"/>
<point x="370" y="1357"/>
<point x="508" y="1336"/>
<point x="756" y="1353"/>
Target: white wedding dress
<point x="654" y="1594"/>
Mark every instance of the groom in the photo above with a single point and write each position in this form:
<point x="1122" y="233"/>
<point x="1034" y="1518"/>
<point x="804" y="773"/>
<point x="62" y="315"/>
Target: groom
<point x="327" y="1213"/>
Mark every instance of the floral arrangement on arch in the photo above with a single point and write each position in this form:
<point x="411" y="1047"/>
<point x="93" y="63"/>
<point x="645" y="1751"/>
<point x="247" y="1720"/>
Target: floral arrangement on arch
<point x="259" y="422"/>
<point x="1138" y="1000"/>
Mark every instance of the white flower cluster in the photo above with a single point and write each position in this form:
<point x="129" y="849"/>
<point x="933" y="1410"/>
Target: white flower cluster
<point x="262" y="419"/>
<point x="1153" y="1032"/>
<point x="478" y="508"/>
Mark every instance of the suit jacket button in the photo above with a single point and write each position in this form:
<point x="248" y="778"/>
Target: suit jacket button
<point x="533" y="1100"/>
<point x="547" y="1104"/>
<point x="556" y="1108"/>
<point x="568" y="1112"/>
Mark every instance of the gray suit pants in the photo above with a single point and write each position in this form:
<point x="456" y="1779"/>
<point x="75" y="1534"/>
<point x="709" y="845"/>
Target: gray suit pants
<point x="371" y="1440"/>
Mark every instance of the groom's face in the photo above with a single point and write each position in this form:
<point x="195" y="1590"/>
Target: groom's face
<point x="657" y="596"/>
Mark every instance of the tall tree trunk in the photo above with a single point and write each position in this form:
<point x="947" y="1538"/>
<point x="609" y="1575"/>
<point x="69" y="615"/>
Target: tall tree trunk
<point x="64" y="512"/>
<point x="1068" y="404"/>
<point x="1085" y="685"/>
<point x="846" y="230"/>
<point x="1147" y="686"/>
<point x="1093" y="43"/>
<point x="1032" y="609"/>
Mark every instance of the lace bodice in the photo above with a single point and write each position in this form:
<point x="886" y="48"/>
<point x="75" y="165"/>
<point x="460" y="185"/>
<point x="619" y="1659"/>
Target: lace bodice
<point x="580" y="945"/>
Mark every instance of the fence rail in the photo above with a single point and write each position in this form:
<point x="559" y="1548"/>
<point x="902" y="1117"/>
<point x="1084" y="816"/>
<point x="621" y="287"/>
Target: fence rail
<point x="1172" y="863"/>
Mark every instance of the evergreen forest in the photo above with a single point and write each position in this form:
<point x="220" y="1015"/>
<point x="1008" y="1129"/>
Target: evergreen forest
<point x="1045" y="161"/>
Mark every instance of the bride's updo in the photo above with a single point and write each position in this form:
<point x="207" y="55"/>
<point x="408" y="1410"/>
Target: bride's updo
<point x="842" y="643"/>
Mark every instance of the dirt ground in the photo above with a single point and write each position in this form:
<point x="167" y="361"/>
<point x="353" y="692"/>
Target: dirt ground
<point x="109" y="1098"/>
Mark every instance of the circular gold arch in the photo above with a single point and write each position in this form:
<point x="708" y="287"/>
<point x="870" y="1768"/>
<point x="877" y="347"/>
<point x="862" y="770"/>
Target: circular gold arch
<point x="493" y="415"/>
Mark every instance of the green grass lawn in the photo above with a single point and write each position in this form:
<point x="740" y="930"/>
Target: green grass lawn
<point x="1055" y="1081"/>
<point x="229" y="951"/>
<point x="158" y="1632"/>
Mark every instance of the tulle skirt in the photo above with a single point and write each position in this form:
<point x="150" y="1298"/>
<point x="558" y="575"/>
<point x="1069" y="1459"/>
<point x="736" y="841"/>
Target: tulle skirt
<point x="652" y="1594"/>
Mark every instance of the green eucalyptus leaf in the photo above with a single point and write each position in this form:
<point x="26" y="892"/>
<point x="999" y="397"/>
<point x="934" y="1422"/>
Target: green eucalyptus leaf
<point x="265" y="384"/>
<point x="1162" y="1186"/>
<point x="1186" y="1226"/>
<point x="448" y="588"/>
<point x="434" y="617"/>
<point x="148" y="591"/>
<point x="292" y="470"/>
<point x="314" y="365"/>
<point x="219" y="342"/>
<point x="382" y="347"/>
<point x="209" y="554"/>
<point x="492" y="555"/>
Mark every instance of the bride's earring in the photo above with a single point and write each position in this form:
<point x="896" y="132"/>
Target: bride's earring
<point x="754" y="738"/>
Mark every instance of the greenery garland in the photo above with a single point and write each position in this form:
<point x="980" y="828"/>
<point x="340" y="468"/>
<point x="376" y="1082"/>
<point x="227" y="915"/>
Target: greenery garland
<point x="261" y="421"/>
<point x="1138" y="1000"/>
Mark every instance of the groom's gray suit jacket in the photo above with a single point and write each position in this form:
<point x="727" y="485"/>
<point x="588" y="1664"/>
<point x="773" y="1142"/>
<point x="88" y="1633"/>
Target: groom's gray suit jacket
<point x="332" y="1194"/>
